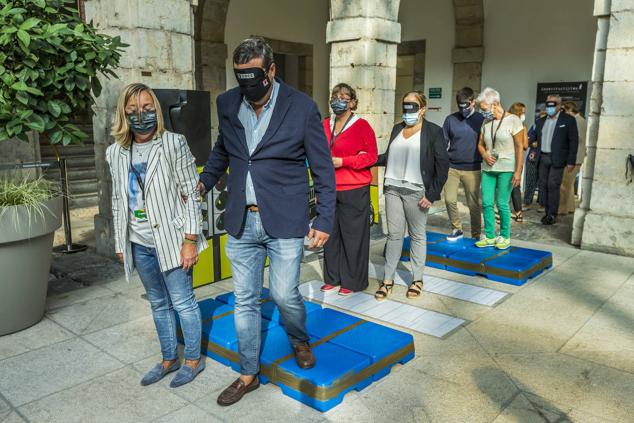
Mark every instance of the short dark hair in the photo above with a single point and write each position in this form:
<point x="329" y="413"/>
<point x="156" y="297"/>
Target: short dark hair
<point x="253" y="48"/>
<point x="465" y="95"/>
<point x="344" y="88"/>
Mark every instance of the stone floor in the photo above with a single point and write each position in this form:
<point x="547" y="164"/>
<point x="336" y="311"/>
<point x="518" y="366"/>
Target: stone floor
<point x="560" y="348"/>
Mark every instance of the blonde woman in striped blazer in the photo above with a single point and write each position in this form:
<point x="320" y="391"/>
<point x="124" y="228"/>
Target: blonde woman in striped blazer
<point x="157" y="225"/>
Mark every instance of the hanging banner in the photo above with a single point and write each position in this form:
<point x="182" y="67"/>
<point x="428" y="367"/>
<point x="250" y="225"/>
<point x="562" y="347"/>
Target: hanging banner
<point x="569" y="91"/>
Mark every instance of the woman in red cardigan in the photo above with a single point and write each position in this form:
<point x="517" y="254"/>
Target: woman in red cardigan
<point x="353" y="148"/>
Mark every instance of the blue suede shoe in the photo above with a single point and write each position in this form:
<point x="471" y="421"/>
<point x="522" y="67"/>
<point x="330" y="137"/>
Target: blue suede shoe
<point x="158" y="372"/>
<point x="186" y="374"/>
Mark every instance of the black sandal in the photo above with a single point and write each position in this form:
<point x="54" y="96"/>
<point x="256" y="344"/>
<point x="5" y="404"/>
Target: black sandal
<point x="415" y="289"/>
<point x="380" y="295"/>
<point x="519" y="217"/>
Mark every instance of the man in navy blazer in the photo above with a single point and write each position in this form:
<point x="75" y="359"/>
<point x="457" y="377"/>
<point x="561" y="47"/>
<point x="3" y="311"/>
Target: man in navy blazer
<point x="267" y="131"/>
<point x="558" y="140"/>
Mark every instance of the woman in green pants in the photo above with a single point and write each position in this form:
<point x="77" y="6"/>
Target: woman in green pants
<point x="501" y="147"/>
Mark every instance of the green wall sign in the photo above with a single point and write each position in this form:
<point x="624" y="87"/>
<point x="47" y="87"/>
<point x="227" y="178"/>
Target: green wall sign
<point x="435" y="93"/>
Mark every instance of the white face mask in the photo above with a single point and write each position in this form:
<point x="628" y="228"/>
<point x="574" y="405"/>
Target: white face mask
<point x="410" y="119"/>
<point x="523" y="117"/>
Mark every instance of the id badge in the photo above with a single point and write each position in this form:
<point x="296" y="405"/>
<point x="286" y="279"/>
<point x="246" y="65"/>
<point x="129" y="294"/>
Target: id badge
<point x="140" y="215"/>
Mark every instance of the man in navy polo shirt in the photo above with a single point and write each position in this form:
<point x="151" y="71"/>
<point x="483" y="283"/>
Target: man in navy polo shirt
<point x="462" y="131"/>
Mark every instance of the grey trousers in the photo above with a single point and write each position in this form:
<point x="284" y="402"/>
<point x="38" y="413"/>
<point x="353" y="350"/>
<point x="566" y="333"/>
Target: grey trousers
<point x="403" y="212"/>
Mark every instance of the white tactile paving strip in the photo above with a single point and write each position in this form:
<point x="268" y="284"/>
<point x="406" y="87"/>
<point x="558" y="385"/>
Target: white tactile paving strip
<point x="389" y="311"/>
<point x="460" y="291"/>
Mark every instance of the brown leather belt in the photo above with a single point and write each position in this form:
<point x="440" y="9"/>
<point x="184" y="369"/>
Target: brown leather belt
<point x="253" y="209"/>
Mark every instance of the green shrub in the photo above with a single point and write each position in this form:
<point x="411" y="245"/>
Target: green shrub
<point x="49" y="62"/>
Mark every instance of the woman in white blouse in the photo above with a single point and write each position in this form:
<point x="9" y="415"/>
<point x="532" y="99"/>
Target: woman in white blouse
<point x="417" y="165"/>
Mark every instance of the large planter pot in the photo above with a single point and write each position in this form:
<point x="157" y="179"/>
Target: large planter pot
<point x="26" y="241"/>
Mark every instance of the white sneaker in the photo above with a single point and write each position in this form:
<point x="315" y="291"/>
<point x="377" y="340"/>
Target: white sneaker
<point x="455" y="235"/>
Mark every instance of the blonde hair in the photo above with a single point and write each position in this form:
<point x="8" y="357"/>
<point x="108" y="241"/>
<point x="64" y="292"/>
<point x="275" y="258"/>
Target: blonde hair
<point x="516" y="108"/>
<point x="120" y="127"/>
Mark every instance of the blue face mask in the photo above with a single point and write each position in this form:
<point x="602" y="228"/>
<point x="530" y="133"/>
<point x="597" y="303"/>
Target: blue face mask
<point x="410" y="119"/>
<point x="488" y="114"/>
<point x="339" y="106"/>
<point x="551" y="111"/>
<point x="143" y="123"/>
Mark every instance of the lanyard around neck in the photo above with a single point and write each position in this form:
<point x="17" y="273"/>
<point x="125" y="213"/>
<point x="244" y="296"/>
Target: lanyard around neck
<point x="333" y="136"/>
<point x="137" y="175"/>
<point x="494" y="136"/>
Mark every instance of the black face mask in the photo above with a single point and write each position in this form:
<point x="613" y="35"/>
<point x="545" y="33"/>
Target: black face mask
<point x="465" y="109"/>
<point x="254" y="83"/>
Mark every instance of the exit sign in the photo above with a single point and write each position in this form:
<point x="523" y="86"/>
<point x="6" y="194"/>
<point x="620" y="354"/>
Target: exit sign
<point x="435" y="93"/>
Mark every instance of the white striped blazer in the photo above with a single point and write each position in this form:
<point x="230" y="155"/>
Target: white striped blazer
<point x="170" y="178"/>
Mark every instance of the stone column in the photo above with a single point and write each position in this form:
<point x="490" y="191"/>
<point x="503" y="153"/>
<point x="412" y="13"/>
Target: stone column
<point x="468" y="54"/>
<point x="606" y="217"/>
<point x="161" y="51"/>
<point x="364" y="35"/>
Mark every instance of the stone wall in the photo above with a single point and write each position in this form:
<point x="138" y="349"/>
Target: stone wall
<point x="606" y="218"/>
<point x="161" y="55"/>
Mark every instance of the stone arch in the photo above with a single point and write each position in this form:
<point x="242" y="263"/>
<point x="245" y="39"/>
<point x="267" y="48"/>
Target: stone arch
<point x="468" y="52"/>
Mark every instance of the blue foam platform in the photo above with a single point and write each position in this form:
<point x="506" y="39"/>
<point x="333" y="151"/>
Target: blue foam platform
<point x="350" y="353"/>
<point x="513" y="266"/>
<point x="364" y="338"/>
<point x="272" y="312"/>
<point x="230" y="299"/>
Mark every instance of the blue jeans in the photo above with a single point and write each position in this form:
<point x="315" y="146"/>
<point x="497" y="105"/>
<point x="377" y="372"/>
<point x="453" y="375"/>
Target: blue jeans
<point x="248" y="255"/>
<point x="169" y="291"/>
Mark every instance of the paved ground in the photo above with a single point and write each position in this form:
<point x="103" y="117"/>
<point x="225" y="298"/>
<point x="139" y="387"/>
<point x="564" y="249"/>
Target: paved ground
<point x="561" y="348"/>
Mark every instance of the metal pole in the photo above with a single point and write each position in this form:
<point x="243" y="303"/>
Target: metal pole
<point x="69" y="248"/>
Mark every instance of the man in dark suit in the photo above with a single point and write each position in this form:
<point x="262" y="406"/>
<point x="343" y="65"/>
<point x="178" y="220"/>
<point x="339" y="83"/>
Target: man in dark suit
<point x="267" y="131"/>
<point x="558" y="140"/>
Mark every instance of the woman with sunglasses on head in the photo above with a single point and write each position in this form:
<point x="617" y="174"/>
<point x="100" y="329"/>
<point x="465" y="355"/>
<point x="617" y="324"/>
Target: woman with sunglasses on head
<point x="157" y="225"/>
<point x="416" y="167"/>
<point x="353" y="147"/>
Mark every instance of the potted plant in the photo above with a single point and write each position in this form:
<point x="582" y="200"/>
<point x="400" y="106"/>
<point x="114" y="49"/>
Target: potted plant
<point x="30" y="212"/>
<point x="49" y="62"/>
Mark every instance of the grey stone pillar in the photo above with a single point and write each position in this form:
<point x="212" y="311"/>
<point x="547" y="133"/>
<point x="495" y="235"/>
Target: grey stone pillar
<point x="468" y="54"/>
<point x="160" y="55"/>
<point x="364" y="35"/>
<point x="606" y="216"/>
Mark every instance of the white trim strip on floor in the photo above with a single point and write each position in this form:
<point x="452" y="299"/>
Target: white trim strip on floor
<point x="458" y="290"/>
<point x="389" y="311"/>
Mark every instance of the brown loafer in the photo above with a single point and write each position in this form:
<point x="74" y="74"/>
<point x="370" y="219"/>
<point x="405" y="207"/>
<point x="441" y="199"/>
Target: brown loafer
<point x="304" y="355"/>
<point x="236" y="391"/>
